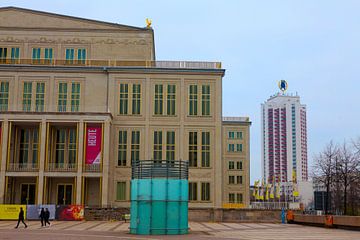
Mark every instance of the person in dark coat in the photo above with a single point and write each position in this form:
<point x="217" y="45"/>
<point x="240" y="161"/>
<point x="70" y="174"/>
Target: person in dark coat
<point x="42" y="217"/>
<point x="47" y="216"/>
<point x="21" y="218"/>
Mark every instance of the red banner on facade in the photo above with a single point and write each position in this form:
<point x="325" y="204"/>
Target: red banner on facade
<point x="93" y="144"/>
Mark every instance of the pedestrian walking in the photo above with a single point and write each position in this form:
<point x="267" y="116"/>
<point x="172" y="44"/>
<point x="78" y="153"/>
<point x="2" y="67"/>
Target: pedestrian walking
<point x="47" y="216"/>
<point x="42" y="217"/>
<point x="21" y="218"/>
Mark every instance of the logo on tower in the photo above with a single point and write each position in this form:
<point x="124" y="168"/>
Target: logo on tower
<point x="283" y="85"/>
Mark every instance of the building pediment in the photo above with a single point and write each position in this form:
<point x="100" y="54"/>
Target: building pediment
<point x="13" y="17"/>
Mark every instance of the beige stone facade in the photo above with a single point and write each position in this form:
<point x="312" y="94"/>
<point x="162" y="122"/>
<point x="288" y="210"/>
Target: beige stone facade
<point x="60" y="75"/>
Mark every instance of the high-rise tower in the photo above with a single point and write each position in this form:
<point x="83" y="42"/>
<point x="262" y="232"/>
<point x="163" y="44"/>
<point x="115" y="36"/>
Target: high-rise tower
<point x="284" y="138"/>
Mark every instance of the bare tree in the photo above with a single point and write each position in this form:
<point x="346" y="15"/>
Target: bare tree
<point x="323" y="169"/>
<point x="347" y="168"/>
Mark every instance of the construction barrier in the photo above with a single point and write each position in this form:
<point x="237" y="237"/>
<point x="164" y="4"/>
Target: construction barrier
<point x="33" y="211"/>
<point x="69" y="212"/>
<point x="11" y="211"/>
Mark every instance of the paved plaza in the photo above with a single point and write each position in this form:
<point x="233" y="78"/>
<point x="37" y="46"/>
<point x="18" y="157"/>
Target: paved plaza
<point x="91" y="230"/>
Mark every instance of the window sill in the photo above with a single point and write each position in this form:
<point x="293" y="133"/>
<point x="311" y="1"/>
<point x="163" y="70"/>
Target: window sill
<point x="123" y="166"/>
<point x="199" y="116"/>
<point x="129" y="115"/>
<point x="162" y="116"/>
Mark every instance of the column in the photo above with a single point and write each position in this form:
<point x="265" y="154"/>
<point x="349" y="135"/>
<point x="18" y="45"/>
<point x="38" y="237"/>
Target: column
<point x="4" y="145"/>
<point x="105" y="164"/>
<point x="43" y="144"/>
<point x="80" y="162"/>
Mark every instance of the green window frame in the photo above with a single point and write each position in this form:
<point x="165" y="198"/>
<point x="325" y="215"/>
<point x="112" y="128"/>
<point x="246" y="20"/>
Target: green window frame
<point x="239" y="165"/>
<point x="205" y="100"/>
<point x="81" y="55"/>
<point x="28" y="149"/>
<point x="121" y="191"/>
<point x="239" y="198"/>
<point x="157" y="146"/>
<point x="231" y="165"/>
<point x="239" y="179"/>
<point x="3" y="54"/>
<point x="62" y="97"/>
<point x="124" y="95"/>
<point x="239" y="135"/>
<point x="231" y="135"/>
<point x="35" y="146"/>
<point x="231" y="147"/>
<point x="193" y="100"/>
<point x="136" y="99"/>
<point x="231" y="179"/>
<point x="72" y="147"/>
<point x="75" y="97"/>
<point x="239" y="147"/>
<point x="205" y="191"/>
<point x="231" y="197"/>
<point x="69" y="55"/>
<point x="205" y="149"/>
<point x="36" y="55"/>
<point x="48" y="55"/>
<point x="158" y="99"/>
<point x="15" y="53"/>
<point x="4" y="96"/>
<point x="24" y="147"/>
<point x="193" y="151"/>
<point x="40" y="97"/>
<point x="192" y="191"/>
<point x="135" y="145"/>
<point x="60" y="147"/>
<point x="122" y="148"/>
<point x="27" y="95"/>
<point x="170" y="145"/>
<point x="171" y="100"/>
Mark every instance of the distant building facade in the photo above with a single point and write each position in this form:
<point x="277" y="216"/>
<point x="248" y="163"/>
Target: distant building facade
<point x="284" y="139"/>
<point x="81" y="99"/>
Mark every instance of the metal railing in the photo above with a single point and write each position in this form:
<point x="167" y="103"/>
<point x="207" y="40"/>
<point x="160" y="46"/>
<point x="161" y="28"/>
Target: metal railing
<point x="269" y="205"/>
<point x="92" y="168"/>
<point x="114" y="63"/>
<point x="61" y="167"/>
<point x="143" y="169"/>
<point x="23" y="167"/>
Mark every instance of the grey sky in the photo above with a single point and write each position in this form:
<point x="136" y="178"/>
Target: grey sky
<point x="314" y="45"/>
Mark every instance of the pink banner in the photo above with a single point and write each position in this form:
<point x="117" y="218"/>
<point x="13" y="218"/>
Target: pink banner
<point x="93" y="145"/>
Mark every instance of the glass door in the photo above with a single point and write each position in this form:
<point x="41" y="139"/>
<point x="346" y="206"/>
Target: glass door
<point x="28" y="192"/>
<point x="64" y="194"/>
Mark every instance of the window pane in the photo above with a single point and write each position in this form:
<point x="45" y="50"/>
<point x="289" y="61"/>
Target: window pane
<point x="205" y="149"/>
<point x="170" y="145"/>
<point x="123" y="99"/>
<point x="158" y="104"/>
<point x="205" y="100"/>
<point x="62" y="98"/>
<point x="135" y="145"/>
<point x="75" y="97"/>
<point x="192" y="191"/>
<point x="231" y="165"/>
<point x="27" y="92"/>
<point x="205" y="191"/>
<point x="121" y="191"/>
<point x="48" y="55"/>
<point x="193" y="99"/>
<point x="171" y="95"/>
<point x="192" y="149"/>
<point x="69" y="55"/>
<point x="136" y="99"/>
<point x="4" y="96"/>
<point x="40" y="96"/>
<point x="122" y="146"/>
<point x="157" y="146"/>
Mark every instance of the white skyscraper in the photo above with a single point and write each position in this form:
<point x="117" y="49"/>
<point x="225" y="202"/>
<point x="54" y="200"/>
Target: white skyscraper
<point x="284" y="138"/>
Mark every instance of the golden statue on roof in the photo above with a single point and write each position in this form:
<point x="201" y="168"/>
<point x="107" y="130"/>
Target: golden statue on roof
<point x="148" y="23"/>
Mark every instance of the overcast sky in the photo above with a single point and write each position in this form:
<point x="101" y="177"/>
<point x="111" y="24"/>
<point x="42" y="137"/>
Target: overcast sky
<point x="314" y="45"/>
